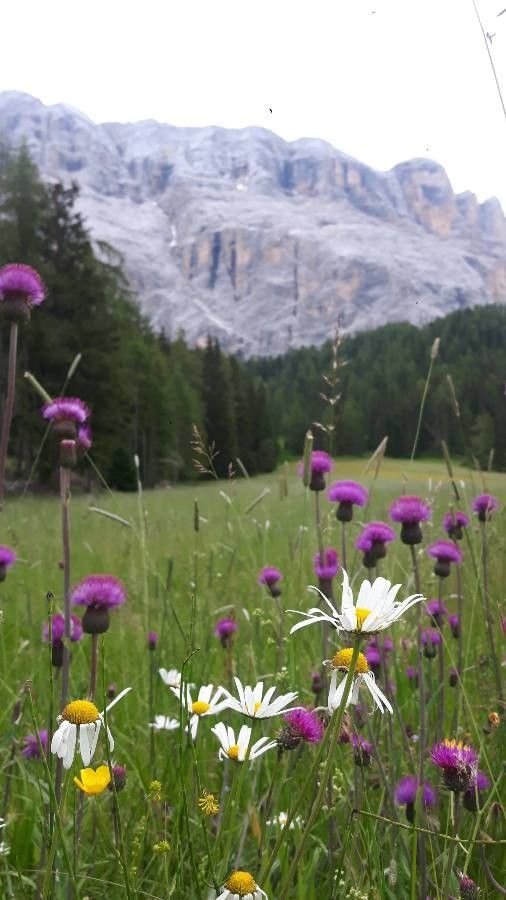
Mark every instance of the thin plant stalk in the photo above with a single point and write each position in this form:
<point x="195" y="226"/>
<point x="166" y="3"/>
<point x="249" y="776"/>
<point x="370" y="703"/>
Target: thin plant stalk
<point x="422" y="720"/>
<point x="433" y="356"/>
<point x="65" y="519"/>
<point x="57" y="809"/>
<point x="121" y="849"/>
<point x="488" y="611"/>
<point x="335" y="726"/>
<point x="343" y="546"/>
<point x="441" y="678"/>
<point x="9" y="406"/>
<point x="93" y="667"/>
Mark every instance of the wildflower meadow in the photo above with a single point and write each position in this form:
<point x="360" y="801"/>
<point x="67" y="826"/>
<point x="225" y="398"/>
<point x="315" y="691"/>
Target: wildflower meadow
<point x="289" y="686"/>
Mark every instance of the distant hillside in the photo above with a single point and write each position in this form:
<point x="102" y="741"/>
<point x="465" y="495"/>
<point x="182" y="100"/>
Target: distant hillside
<point x="262" y="243"/>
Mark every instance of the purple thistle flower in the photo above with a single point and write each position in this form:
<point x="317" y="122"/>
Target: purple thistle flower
<point x="412" y="674"/>
<point x="269" y="576"/>
<point x="485" y="505"/>
<point x="316" y="683"/>
<point x="431" y="638"/>
<point x="362" y="751"/>
<point x="444" y="552"/>
<point x="31" y="748"/>
<point x="458" y="762"/>
<point x="454" y="522"/>
<point x="407" y="789"/>
<point x="84" y="438"/>
<point x="372" y="540"/>
<point x="66" y="408"/>
<point x="99" y="593"/>
<point x="481" y="783"/>
<point x="7" y="556"/>
<point x="348" y="492"/>
<point x="328" y="568"/>
<point x="454" y="623"/>
<point x="225" y="630"/>
<point x="410" y="511"/>
<point x="7" y="559"/>
<point x="373" y="656"/>
<point x="321" y="462"/>
<point x="119" y="778"/>
<point x="387" y="644"/>
<point x="468" y="889"/>
<point x="437" y="611"/>
<point x="20" y="282"/>
<point x="152" y="640"/>
<point x="306" y="724"/>
<point x="99" y="590"/>
<point x="58" y="628"/>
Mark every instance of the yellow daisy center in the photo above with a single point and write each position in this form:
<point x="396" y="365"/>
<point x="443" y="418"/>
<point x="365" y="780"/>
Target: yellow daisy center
<point x="241" y="883"/>
<point x="361" y="613"/>
<point x="256" y="707"/>
<point x="80" y="712"/>
<point x="233" y="751"/>
<point x="200" y="707"/>
<point x="342" y="660"/>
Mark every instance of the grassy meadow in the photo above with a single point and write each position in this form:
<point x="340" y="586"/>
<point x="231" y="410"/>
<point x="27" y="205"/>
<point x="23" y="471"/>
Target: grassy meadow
<point x="179" y="582"/>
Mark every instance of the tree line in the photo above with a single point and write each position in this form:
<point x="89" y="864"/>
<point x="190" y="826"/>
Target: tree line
<point x="381" y="383"/>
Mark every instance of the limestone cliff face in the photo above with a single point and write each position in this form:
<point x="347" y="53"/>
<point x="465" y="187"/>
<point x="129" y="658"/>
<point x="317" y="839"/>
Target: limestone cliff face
<point x="264" y="243"/>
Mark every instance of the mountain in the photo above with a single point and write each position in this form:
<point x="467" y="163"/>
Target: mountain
<point x="263" y="243"/>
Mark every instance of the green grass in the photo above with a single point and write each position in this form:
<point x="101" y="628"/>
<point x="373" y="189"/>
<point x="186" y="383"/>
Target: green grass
<point x="212" y="573"/>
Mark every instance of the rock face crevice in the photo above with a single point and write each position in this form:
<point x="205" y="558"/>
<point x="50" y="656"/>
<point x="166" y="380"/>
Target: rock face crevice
<point x="263" y="243"/>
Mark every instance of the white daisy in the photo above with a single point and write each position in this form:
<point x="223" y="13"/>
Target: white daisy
<point x="340" y="662"/>
<point x="81" y="718"/>
<point x="241" y="886"/>
<point x="252" y="703"/>
<point x="236" y="749"/>
<point x="204" y="705"/>
<point x="170" y="677"/>
<point x="164" y="723"/>
<point x="376" y="608"/>
<point x="282" y="818"/>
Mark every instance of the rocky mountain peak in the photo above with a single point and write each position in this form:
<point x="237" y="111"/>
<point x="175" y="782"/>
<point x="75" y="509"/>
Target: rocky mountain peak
<point x="262" y="242"/>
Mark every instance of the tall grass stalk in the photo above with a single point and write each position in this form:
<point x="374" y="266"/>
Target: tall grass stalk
<point x="8" y="407"/>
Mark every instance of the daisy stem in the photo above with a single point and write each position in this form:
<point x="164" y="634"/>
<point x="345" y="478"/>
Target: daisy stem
<point x="9" y="406"/>
<point x="204" y="826"/>
<point x="233" y="801"/>
<point x="335" y="727"/>
<point x="122" y="854"/>
<point x="57" y="814"/>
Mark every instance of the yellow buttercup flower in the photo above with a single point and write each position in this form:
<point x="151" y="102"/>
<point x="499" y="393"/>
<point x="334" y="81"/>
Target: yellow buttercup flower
<point x="93" y="782"/>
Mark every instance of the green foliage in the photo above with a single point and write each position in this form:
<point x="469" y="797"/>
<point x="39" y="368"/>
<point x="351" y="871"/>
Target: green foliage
<point x="122" y="475"/>
<point x="382" y="385"/>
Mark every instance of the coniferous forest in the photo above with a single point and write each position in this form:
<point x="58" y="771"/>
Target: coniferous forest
<point x="147" y="391"/>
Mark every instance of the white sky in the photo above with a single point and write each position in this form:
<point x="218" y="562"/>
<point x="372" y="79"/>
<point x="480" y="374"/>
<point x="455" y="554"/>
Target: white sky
<point x="382" y="80"/>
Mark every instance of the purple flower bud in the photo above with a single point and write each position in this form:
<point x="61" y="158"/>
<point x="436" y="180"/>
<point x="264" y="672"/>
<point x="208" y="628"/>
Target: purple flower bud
<point x="468" y="889"/>
<point x="21" y="288"/>
<point x="459" y="763"/>
<point x="225" y="630"/>
<point x="31" y="748"/>
<point x="410" y="511"/>
<point x="362" y="751"/>
<point x="437" y="611"/>
<point x="99" y="593"/>
<point x="454" y="522"/>
<point x="485" y="505"/>
<point x="347" y="494"/>
<point x="152" y="640"/>
<point x="325" y="569"/>
<point x="431" y="638"/>
<point x="444" y="552"/>
<point x="7" y="559"/>
<point x="269" y="576"/>
<point x="454" y="623"/>
<point x="119" y="778"/>
<point x="412" y="675"/>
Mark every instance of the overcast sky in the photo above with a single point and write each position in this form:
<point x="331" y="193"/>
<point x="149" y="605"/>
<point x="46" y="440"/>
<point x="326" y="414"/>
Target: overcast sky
<point x="382" y="80"/>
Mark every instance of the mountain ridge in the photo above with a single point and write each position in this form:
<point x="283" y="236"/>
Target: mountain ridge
<point x="265" y="243"/>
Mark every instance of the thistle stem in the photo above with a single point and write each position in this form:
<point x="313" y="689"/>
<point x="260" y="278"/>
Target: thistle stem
<point x="9" y="406"/>
<point x="422" y="723"/>
<point x="488" y="611"/>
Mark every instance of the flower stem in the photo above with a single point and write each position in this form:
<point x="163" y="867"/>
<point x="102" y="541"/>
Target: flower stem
<point x="93" y="666"/>
<point x="422" y="722"/>
<point x="488" y="612"/>
<point x="122" y="854"/>
<point x="327" y="772"/>
<point x="9" y="406"/>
